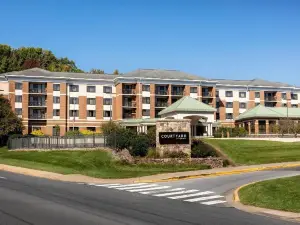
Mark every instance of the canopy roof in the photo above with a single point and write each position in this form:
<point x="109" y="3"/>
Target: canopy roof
<point x="261" y="111"/>
<point x="187" y="104"/>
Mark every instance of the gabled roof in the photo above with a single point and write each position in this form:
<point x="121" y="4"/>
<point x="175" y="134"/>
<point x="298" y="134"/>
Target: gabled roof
<point x="252" y="83"/>
<point x="187" y="104"/>
<point x="38" y="72"/>
<point x="261" y="111"/>
<point x="162" y="74"/>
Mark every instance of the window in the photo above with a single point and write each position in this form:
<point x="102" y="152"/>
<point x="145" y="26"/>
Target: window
<point x="91" y="89"/>
<point x="74" y="128"/>
<point x="146" y="112"/>
<point x="107" y="89"/>
<point x="193" y="90"/>
<point x="18" y="86"/>
<point x="146" y="88"/>
<point x="229" y="116"/>
<point x="229" y="105"/>
<point x="74" y="100"/>
<point x="73" y="113"/>
<point x="56" y="87"/>
<point x="56" y="112"/>
<point x="283" y="96"/>
<point x="106" y="113"/>
<point x="257" y="94"/>
<point x="91" y="113"/>
<point x="56" y="99"/>
<point x="18" y="98"/>
<point x="294" y="96"/>
<point x="243" y="105"/>
<point x="217" y="94"/>
<point x="107" y="101"/>
<point x="283" y="104"/>
<point x="18" y="111"/>
<point x="257" y="103"/>
<point x="228" y="94"/>
<point x="242" y="94"/>
<point x="217" y="116"/>
<point x="217" y="104"/>
<point x="91" y="129"/>
<point x="91" y="101"/>
<point x="146" y="100"/>
<point x="56" y="131"/>
<point x="294" y="106"/>
<point x="74" y="88"/>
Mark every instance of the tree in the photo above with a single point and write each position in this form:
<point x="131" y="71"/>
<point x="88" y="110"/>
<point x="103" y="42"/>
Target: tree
<point x="9" y="122"/>
<point x="116" y="72"/>
<point x="97" y="71"/>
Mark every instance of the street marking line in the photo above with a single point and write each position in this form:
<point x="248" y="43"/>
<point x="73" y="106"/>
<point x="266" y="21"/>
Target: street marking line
<point x="192" y="195"/>
<point x="149" y="189"/>
<point x="175" y="193"/>
<point x="137" y="187"/>
<point x="102" y="185"/>
<point x="153" y="192"/>
<point x="203" y="198"/>
<point x="213" y="202"/>
<point x="129" y="185"/>
<point x="4" y="178"/>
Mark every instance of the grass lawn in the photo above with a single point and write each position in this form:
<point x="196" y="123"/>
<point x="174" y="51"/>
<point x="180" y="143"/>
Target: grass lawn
<point x="90" y="163"/>
<point x="251" y="152"/>
<point x="281" y="194"/>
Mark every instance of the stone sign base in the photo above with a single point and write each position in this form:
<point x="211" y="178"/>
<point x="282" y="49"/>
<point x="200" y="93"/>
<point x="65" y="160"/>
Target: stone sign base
<point x="173" y="125"/>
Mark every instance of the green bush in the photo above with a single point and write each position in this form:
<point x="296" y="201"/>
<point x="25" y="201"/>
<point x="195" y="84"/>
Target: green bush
<point x="233" y="132"/>
<point x="121" y="138"/>
<point x="174" y="154"/>
<point x="73" y="133"/>
<point x="152" y="153"/>
<point x="110" y="127"/>
<point x="151" y="134"/>
<point x="202" y="150"/>
<point x="139" y="145"/>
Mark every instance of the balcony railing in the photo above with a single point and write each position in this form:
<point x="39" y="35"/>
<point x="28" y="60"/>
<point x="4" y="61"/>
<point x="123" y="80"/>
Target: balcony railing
<point x="37" y="90"/>
<point x="128" y="116"/>
<point x="177" y="92"/>
<point x="37" y="116"/>
<point x="160" y="92"/>
<point x="270" y="98"/>
<point x="37" y="103"/>
<point x="161" y="104"/>
<point x="207" y="94"/>
<point x="129" y="104"/>
<point x="128" y="91"/>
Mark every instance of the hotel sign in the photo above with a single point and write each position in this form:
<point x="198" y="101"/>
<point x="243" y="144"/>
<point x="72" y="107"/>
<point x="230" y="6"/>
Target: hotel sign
<point x="171" y="138"/>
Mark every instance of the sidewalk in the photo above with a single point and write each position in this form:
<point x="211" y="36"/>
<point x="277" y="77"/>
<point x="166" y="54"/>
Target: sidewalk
<point x="153" y="178"/>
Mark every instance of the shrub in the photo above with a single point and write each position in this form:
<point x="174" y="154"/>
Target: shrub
<point x="87" y="132"/>
<point x="152" y="153"/>
<point x="202" y="150"/>
<point x="139" y="145"/>
<point x="110" y="127"/>
<point x="72" y="133"/>
<point x="175" y="154"/>
<point x="233" y="132"/>
<point x="226" y="163"/>
<point x="121" y="138"/>
<point x="151" y="134"/>
<point x="37" y="133"/>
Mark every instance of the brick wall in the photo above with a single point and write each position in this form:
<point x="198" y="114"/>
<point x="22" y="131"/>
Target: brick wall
<point x="119" y="102"/>
<point x="11" y="95"/>
<point x="99" y="107"/>
<point x="50" y="100"/>
<point x="236" y="107"/>
<point x="278" y="99"/>
<point x="251" y="102"/>
<point x="25" y="99"/>
<point x="63" y="101"/>
<point x="139" y="100"/>
<point x="82" y="107"/>
<point x="187" y="90"/>
<point x="222" y="110"/>
<point x="262" y="97"/>
<point x="152" y="100"/>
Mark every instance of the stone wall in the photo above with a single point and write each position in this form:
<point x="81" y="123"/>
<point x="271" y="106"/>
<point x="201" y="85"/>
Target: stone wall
<point x="173" y="125"/>
<point x="213" y="162"/>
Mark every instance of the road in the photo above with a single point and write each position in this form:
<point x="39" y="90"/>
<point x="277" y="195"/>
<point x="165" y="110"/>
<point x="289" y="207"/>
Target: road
<point x="31" y="200"/>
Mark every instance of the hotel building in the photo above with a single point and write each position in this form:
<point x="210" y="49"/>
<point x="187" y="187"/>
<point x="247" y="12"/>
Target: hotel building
<point x="46" y="100"/>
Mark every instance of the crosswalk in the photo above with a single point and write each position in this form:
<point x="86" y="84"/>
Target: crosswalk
<point x="167" y="191"/>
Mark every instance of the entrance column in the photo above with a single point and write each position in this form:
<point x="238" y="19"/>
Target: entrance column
<point x="256" y="128"/>
<point x="267" y="127"/>
<point x="249" y="128"/>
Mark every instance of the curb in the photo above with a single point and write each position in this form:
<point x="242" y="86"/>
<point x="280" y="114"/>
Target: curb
<point x="290" y="216"/>
<point x="219" y="173"/>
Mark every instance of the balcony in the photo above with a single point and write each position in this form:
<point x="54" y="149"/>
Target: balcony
<point x="270" y="98"/>
<point x="128" y="91"/>
<point x="129" y="104"/>
<point x="161" y="92"/>
<point x="161" y="104"/>
<point x="37" y="103"/>
<point x="38" y="90"/>
<point x="177" y="92"/>
<point x="37" y="116"/>
<point x="207" y="95"/>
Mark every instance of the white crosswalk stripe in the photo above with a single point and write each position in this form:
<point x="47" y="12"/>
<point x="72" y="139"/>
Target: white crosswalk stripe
<point x="203" y="197"/>
<point x="149" y="189"/>
<point x="192" y="195"/>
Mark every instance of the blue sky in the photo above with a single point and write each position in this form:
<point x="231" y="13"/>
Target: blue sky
<point x="233" y="39"/>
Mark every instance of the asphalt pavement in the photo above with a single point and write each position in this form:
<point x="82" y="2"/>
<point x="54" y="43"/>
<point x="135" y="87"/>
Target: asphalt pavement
<point x="31" y="200"/>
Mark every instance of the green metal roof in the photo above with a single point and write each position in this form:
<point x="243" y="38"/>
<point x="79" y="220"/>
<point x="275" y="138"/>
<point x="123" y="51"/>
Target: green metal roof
<point x="187" y="104"/>
<point x="139" y="121"/>
<point x="261" y="111"/>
